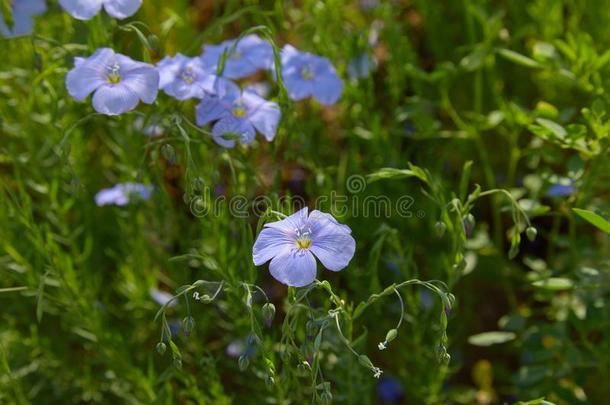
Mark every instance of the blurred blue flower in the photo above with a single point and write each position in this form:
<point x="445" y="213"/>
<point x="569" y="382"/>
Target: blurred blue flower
<point x="118" y="81"/>
<point x="560" y="190"/>
<point x="162" y="297"/>
<point x="389" y="390"/>
<point x="122" y="194"/>
<point x="237" y="113"/>
<point x="244" y="57"/>
<point x="308" y="75"/>
<point x="291" y="244"/>
<point x="87" y="9"/>
<point x="22" y="13"/>
<point x="361" y="66"/>
<point x="182" y="77"/>
<point x="261" y="88"/>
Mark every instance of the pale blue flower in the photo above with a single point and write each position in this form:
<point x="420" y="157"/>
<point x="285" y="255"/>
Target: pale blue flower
<point x="561" y="190"/>
<point x="117" y="81"/>
<point x="291" y="244"/>
<point x="361" y="66"/>
<point x="22" y="13"/>
<point x="238" y="114"/>
<point x="162" y="297"/>
<point x="244" y="56"/>
<point x="182" y="77"/>
<point x="87" y="9"/>
<point x="308" y="75"/>
<point x="123" y="193"/>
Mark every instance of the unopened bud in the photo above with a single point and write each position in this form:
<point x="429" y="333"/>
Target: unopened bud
<point x="161" y="347"/>
<point x="268" y="312"/>
<point x="531" y="233"/>
<point x="440" y="228"/>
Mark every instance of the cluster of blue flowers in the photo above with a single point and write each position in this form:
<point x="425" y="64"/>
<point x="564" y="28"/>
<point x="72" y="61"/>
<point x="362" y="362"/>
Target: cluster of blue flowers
<point x="118" y="84"/>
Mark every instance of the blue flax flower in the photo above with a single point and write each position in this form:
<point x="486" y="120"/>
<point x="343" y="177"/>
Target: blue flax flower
<point x="22" y="13"/>
<point x="561" y="190"/>
<point x="118" y="81"/>
<point x="238" y="114"/>
<point x="243" y="59"/>
<point x="87" y="9"/>
<point x="182" y="77"/>
<point x="291" y="244"/>
<point x="308" y="75"/>
<point x="122" y="194"/>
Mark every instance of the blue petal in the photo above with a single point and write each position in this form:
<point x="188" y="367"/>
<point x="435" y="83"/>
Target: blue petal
<point x="271" y="242"/>
<point x="88" y="74"/>
<point x="110" y="196"/>
<point x="298" y="89"/>
<point x="144" y="82"/>
<point x="264" y="115"/>
<point x="294" y="267"/>
<point x="328" y="88"/>
<point x="122" y="8"/>
<point x="114" y="99"/>
<point x="290" y="224"/>
<point x="230" y="125"/>
<point x="210" y="109"/>
<point x="82" y="9"/>
<point x="22" y="13"/>
<point x="332" y="242"/>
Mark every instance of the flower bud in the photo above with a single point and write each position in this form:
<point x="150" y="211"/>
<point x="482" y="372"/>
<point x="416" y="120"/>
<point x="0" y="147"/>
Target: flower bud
<point x="188" y="324"/>
<point x="391" y="335"/>
<point x="468" y="222"/>
<point x="268" y="312"/>
<point x="161" y="347"/>
<point x="531" y="233"/>
<point x="440" y="229"/>
<point x="169" y="154"/>
<point x="153" y="42"/>
<point x="178" y="363"/>
<point x="269" y="381"/>
<point x="243" y="363"/>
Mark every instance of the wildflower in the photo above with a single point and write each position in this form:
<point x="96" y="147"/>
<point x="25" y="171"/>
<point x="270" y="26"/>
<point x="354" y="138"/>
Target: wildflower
<point x="307" y="75"/>
<point x="87" y="9"/>
<point x="561" y="190"/>
<point x="291" y="244"/>
<point x="244" y="56"/>
<point x="117" y="81"/>
<point x="182" y="77"/>
<point x="22" y="12"/>
<point x="390" y="390"/>
<point x="361" y="66"/>
<point x="377" y="372"/>
<point x="382" y="345"/>
<point x="162" y="297"/>
<point x="237" y="113"/>
<point x="122" y="194"/>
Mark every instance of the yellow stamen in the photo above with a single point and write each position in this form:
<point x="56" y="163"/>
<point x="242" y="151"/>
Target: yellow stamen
<point x="303" y="243"/>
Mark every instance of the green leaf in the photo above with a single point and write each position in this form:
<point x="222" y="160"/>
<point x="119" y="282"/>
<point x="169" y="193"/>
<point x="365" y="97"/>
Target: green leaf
<point x="519" y="59"/>
<point x="597" y="220"/>
<point x="491" y="338"/>
<point x="554" y="284"/>
<point x="394" y="173"/>
<point x="556" y="129"/>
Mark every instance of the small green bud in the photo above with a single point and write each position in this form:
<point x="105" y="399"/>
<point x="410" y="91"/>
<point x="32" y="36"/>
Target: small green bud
<point x="440" y="228"/>
<point x="269" y="381"/>
<point x="243" y="363"/>
<point x="268" y="312"/>
<point x="161" y="347"/>
<point x="391" y="335"/>
<point x="168" y="153"/>
<point x="365" y="361"/>
<point x="178" y="363"/>
<point x="188" y="324"/>
<point x="531" y="233"/>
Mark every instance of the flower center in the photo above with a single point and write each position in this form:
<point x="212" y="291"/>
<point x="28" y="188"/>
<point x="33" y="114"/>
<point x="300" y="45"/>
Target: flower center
<point x="303" y="243"/>
<point x="239" y="110"/>
<point x="114" y="73"/>
<point x="188" y="76"/>
<point x="307" y="73"/>
<point x="303" y="238"/>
